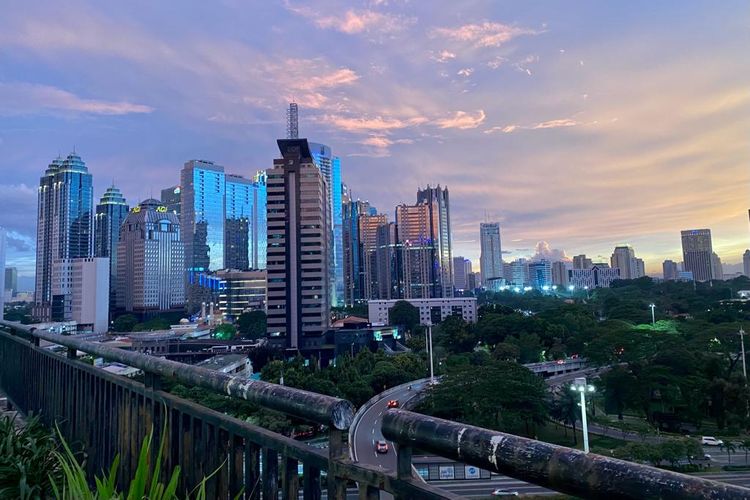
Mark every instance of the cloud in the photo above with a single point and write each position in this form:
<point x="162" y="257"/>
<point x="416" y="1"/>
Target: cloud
<point x="466" y="72"/>
<point x="486" y="34"/>
<point x="544" y="251"/>
<point x="377" y="123"/>
<point x="353" y="22"/>
<point x="443" y="56"/>
<point x="562" y="122"/>
<point x="496" y="62"/>
<point x="462" y="120"/>
<point x="28" y="98"/>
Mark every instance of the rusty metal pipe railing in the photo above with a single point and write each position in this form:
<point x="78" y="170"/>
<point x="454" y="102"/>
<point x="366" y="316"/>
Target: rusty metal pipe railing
<point x="309" y="406"/>
<point x="559" y="468"/>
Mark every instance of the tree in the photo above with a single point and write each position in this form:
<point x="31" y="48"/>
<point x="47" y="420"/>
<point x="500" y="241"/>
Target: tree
<point x="252" y="325"/>
<point x="125" y="323"/>
<point x="404" y="314"/>
<point x="730" y="448"/>
<point x="225" y="331"/>
<point x="453" y="334"/>
<point x="499" y="395"/>
<point x="618" y="389"/>
<point x="505" y="351"/>
<point x="566" y="409"/>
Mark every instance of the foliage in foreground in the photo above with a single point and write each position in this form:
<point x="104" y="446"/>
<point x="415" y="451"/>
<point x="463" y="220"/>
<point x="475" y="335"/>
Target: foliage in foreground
<point x="28" y="466"/>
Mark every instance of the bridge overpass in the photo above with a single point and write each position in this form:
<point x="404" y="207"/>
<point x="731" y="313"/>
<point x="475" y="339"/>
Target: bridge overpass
<point x="110" y="415"/>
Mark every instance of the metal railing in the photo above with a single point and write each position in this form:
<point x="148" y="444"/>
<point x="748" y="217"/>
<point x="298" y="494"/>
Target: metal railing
<point x="106" y="414"/>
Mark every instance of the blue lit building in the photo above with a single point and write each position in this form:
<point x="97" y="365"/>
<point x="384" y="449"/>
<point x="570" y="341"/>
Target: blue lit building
<point x="540" y="274"/>
<point x="202" y="215"/>
<point x="111" y="212"/>
<point x="240" y="197"/>
<point x="65" y="228"/>
<point x="258" y="236"/>
<point x="330" y="166"/>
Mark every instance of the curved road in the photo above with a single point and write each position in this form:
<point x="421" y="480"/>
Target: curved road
<point x="368" y="430"/>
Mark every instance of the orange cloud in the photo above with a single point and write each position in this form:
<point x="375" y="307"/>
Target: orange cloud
<point x="486" y="34"/>
<point x="462" y="120"/>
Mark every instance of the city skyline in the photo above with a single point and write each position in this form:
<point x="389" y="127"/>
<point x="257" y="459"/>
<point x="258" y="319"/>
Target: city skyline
<point x="558" y="155"/>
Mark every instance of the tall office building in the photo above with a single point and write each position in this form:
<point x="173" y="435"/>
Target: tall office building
<point x="670" y="270"/>
<point x="65" y="227"/>
<point x="3" y="272"/>
<point x="368" y="245"/>
<point x="171" y="198"/>
<point x="746" y="263"/>
<point x="717" y="270"/>
<point x="298" y="237"/>
<point x="330" y="166"/>
<point x="696" y="253"/>
<point x="202" y="215"/>
<point x="110" y="214"/>
<point x="491" y="256"/>
<point x="461" y="271"/>
<point x="80" y="292"/>
<point x="11" y="281"/>
<point x="560" y="273"/>
<point x="389" y="253"/>
<point x="419" y="272"/>
<point x="437" y="199"/>
<point x="519" y="272"/>
<point x="540" y="273"/>
<point x="150" y="261"/>
<point x="629" y="265"/>
<point x="258" y="230"/>
<point x="582" y="262"/>
<point x="237" y="221"/>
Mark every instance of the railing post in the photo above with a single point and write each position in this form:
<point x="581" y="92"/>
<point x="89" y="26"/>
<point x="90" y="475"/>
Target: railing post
<point x="72" y="353"/>
<point x="337" y="451"/>
<point x="403" y="462"/>
<point x="290" y="479"/>
<point x="270" y="474"/>
<point x="310" y="482"/>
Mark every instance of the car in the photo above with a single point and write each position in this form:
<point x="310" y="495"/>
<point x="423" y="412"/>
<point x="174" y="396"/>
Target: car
<point x="501" y="492"/>
<point x="393" y="403"/>
<point x="381" y="446"/>
<point x="711" y="441"/>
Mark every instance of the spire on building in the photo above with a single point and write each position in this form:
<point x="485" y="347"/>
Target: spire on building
<point x="292" y="121"/>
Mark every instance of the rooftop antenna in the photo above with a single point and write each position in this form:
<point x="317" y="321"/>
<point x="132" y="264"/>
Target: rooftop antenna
<point x="292" y="121"/>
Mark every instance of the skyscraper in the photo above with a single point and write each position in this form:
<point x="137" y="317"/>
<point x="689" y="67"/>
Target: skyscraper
<point x="110" y="214"/>
<point x="696" y="253"/>
<point x="330" y="166"/>
<point x="11" y="280"/>
<point x="170" y="198"/>
<point x="670" y="270"/>
<point x="717" y="270"/>
<point x="491" y="256"/>
<point x="437" y="200"/>
<point x="540" y="273"/>
<point x="298" y="237"/>
<point x="368" y="245"/>
<point x="419" y="272"/>
<point x="258" y="228"/>
<point x="461" y="271"/>
<point x="65" y="227"/>
<point x="582" y="262"/>
<point x="202" y="215"/>
<point x="150" y="261"/>
<point x="237" y="221"/>
<point x="389" y="259"/>
<point x="746" y="263"/>
<point x="625" y="260"/>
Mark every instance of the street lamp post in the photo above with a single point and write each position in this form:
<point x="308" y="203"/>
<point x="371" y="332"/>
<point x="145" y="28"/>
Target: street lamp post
<point x="653" y="317"/>
<point x="432" y="367"/>
<point x="579" y="385"/>
<point x="742" y="344"/>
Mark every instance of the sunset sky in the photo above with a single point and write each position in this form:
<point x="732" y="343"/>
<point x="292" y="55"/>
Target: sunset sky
<point x="583" y="123"/>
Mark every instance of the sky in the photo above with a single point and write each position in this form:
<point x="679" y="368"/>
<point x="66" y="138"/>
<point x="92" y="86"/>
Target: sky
<point x="581" y="124"/>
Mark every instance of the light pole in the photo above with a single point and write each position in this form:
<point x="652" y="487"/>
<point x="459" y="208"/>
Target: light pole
<point x="429" y="342"/>
<point x="579" y="385"/>
<point x="742" y="344"/>
<point x="653" y="317"/>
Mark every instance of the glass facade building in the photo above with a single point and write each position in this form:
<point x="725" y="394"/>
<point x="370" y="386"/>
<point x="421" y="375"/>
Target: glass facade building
<point x="65" y="228"/>
<point x="111" y="212"/>
<point x="202" y="215"/>
<point x="239" y="216"/>
<point x="258" y="229"/>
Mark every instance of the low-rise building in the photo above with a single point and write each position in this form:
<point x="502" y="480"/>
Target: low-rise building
<point x="431" y="311"/>
<point x="594" y="277"/>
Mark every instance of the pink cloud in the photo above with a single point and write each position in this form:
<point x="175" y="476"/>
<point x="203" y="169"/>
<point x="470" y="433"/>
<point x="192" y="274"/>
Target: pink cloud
<point x="486" y="34"/>
<point x="27" y="98"/>
<point x="462" y="120"/>
<point x="443" y="56"/>
<point x="377" y="123"/>
<point x="353" y="21"/>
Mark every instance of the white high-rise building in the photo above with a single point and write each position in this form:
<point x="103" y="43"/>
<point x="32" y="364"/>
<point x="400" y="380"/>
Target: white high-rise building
<point x="80" y="292"/>
<point x="746" y="263"/>
<point x="491" y="256"/>
<point x="594" y="277"/>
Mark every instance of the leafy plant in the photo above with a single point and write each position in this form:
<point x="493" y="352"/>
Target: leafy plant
<point x="28" y="467"/>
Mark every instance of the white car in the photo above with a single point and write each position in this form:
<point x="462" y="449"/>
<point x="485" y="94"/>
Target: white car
<point x="500" y="492"/>
<point x="711" y="441"/>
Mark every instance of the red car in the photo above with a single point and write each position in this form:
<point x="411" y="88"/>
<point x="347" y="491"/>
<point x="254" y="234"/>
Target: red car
<point x="381" y="446"/>
<point x="393" y="403"/>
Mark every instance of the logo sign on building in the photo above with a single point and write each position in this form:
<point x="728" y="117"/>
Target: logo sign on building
<point x="447" y="472"/>
<point x="471" y="472"/>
